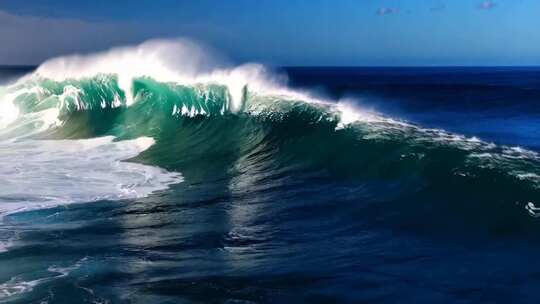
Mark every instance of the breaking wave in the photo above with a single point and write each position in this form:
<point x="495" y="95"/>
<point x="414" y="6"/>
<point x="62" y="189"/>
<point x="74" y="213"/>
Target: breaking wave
<point x="93" y="111"/>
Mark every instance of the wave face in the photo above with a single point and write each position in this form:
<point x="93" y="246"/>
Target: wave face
<point x="274" y="130"/>
<point x="68" y="128"/>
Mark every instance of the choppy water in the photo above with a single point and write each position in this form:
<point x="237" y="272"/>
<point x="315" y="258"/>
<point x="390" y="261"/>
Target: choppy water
<point x="126" y="180"/>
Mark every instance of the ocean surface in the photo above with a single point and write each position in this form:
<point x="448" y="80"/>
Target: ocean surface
<point x="327" y="185"/>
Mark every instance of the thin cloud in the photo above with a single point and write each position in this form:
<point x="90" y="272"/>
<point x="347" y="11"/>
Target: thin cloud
<point x="487" y="5"/>
<point x="386" y="11"/>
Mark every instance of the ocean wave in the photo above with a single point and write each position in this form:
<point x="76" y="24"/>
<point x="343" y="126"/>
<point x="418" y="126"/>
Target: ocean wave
<point x="199" y="110"/>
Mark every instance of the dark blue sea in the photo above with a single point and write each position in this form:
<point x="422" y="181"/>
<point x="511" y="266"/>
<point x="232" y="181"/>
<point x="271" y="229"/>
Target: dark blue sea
<point x="353" y="185"/>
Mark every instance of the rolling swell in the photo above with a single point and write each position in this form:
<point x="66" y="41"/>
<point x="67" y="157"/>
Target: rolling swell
<point x="275" y="144"/>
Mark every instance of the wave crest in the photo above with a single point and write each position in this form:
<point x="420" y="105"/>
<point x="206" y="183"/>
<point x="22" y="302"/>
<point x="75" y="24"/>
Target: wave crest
<point x="198" y="108"/>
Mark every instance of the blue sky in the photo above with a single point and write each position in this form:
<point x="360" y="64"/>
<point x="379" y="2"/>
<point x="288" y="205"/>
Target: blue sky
<point x="285" y="32"/>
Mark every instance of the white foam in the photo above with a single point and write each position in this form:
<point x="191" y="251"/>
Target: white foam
<point x="175" y="60"/>
<point x="8" y="111"/>
<point x="7" y="238"/>
<point x="17" y="285"/>
<point x="178" y="61"/>
<point x="349" y="113"/>
<point x="45" y="173"/>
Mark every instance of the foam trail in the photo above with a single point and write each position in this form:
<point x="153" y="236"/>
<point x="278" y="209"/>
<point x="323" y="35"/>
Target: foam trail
<point x="17" y="285"/>
<point x="46" y="173"/>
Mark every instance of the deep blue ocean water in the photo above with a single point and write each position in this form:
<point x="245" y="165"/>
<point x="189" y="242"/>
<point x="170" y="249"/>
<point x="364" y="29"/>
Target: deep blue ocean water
<point x="498" y="104"/>
<point x="427" y="207"/>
